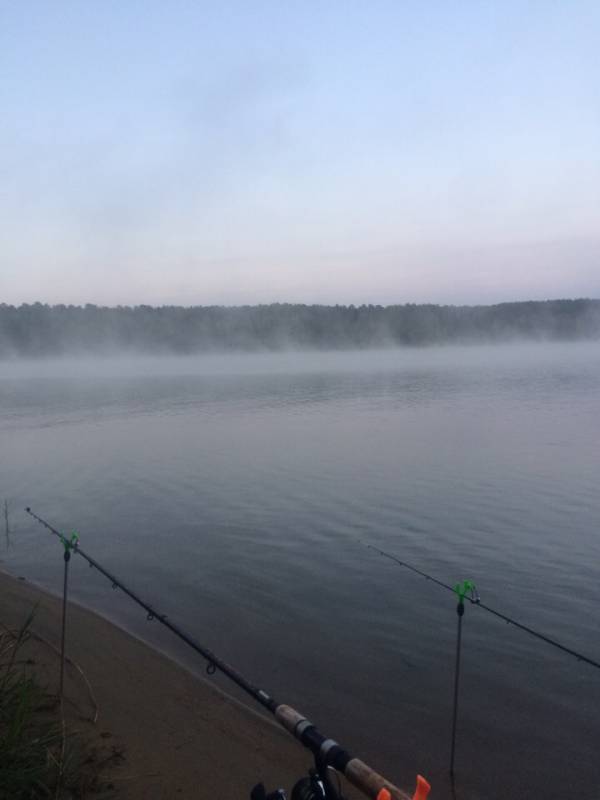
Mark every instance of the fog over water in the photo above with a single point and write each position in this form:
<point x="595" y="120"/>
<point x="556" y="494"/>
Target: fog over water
<point x="518" y="355"/>
<point x="234" y="492"/>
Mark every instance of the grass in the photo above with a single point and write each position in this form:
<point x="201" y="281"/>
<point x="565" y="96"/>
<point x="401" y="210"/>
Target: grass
<point x="40" y="757"/>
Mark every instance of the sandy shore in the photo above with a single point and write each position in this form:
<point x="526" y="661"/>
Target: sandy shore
<point x="181" y="737"/>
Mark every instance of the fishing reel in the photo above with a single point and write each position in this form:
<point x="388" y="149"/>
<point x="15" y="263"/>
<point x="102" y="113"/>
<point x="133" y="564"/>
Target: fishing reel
<point x="314" y="786"/>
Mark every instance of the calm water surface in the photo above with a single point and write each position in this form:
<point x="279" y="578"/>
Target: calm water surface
<point x="234" y="492"/>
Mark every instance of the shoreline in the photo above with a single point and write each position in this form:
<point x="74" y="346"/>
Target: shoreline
<point x="155" y="647"/>
<point x="181" y="735"/>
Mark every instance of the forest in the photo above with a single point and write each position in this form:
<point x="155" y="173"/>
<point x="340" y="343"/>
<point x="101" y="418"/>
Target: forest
<point x="38" y="330"/>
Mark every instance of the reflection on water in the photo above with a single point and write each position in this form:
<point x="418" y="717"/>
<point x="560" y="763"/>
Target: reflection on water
<point x="235" y="493"/>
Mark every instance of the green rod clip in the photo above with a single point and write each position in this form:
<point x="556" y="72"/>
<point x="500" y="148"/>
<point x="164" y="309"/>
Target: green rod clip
<point x="464" y="588"/>
<point x="70" y="544"/>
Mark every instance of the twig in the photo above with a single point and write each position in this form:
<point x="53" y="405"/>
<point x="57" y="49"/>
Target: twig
<point x="74" y="664"/>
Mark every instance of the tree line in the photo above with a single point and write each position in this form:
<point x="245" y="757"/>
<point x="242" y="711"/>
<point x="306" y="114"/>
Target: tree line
<point x="37" y="329"/>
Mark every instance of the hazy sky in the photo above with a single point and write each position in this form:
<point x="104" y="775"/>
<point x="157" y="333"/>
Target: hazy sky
<point x="190" y="152"/>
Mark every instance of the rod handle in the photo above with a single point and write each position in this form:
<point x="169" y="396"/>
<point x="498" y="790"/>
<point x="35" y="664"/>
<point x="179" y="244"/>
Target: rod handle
<point x="289" y="718"/>
<point x="356" y="771"/>
<point x="370" y="782"/>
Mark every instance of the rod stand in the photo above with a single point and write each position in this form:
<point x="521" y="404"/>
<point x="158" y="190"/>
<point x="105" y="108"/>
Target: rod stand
<point x="69" y="545"/>
<point x="67" y="558"/>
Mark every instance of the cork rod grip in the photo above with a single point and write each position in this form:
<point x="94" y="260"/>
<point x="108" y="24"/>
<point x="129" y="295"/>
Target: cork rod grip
<point x="288" y="717"/>
<point x="370" y="782"/>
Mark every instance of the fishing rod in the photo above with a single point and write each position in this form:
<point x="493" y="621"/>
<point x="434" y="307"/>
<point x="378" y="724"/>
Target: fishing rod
<point x="476" y="601"/>
<point x="327" y="752"/>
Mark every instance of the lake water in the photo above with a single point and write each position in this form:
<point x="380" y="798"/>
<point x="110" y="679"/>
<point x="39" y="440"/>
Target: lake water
<point x="235" y="493"/>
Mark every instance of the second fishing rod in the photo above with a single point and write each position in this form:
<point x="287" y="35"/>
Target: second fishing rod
<point x="475" y="600"/>
<point x="327" y="752"/>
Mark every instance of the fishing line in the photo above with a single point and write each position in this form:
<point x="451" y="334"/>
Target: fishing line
<point x="476" y="601"/>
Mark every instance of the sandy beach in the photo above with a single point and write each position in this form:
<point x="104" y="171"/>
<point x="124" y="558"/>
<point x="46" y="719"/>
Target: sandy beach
<point x="175" y="735"/>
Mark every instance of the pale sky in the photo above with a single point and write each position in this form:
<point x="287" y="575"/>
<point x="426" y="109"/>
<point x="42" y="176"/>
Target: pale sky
<point x="350" y="152"/>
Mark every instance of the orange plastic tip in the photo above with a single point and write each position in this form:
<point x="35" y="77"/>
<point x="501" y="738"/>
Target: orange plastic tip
<point x="384" y="794"/>
<point x="422" y="790"/>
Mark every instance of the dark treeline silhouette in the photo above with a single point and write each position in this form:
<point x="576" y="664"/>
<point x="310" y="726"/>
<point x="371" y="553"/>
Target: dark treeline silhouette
<point x="43" y="330"/>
